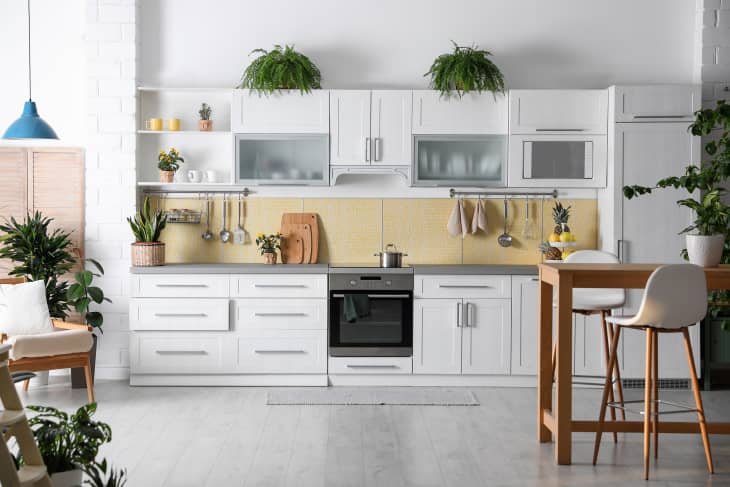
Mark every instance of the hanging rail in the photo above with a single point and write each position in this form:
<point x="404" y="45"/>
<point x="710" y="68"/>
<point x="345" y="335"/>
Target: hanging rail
<point x="245" y="192"/>
<point x="552" y="194"/>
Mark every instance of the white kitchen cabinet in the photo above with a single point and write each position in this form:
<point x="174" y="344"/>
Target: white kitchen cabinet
<point x="462" y="286"/>
<point x="473" y="113"/>
<point x="558" y="111"/>
<point x="281" y="352"/>
<point x="178" y="353"/>
<point x="284" y="112"/>
<point x="588" y="355"/>
<point x="279" y="286"/>
<point x="524" y="325"/>
<point x="202" y="314"/>
<point x="485" y="342"/>
<point x="437" y="336"/>
<point x="179" y="286"/>
<point x="282" y="314"/>
<point x="651" y="103"/>
<point x="370" y="127"/>
<point x="370" y="365"/>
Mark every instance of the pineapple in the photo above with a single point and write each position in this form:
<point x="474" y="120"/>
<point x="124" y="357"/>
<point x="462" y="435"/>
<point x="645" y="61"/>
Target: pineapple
<point x="550" y="253"/>
<point x="560" y="217"/>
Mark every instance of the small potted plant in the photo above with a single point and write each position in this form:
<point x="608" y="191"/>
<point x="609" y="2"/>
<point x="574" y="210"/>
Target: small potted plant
<point x="205" y="124"/>
<point x="268" y="245"/>
<point x="147" y="250"/>
<point x="168" y="163"/>
<point x="466" y="69"/>
<point x="67" y="443"/>
<point x="282" y="68"/>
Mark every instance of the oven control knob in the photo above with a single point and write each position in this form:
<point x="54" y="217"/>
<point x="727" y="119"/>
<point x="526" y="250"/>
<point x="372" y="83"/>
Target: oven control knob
<point x="353" y="283"/>
<point x="388" y="283"/>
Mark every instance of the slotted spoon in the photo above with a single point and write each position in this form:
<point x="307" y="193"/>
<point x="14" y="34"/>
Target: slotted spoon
<point x="505" y="240"/>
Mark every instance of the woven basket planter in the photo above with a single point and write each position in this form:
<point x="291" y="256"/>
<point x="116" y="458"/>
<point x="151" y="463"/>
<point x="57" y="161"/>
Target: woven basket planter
<point x="146" y="254"/>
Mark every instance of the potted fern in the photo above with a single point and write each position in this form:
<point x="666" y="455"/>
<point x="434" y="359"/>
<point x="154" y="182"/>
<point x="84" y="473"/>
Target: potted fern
<point x="205" y="124"/>
<point x="147" y="250"/>
<point x="466" y="69"/>
<point x="282" y="68"/>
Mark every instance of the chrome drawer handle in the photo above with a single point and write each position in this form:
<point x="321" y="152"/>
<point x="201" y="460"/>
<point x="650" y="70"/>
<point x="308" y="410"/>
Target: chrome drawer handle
<point x="181" y="285"/>
<point x="181" y="352"/>
<point x="465" y="286"/>
<point x="560" y="130"/>
<point x="181" y="315"/>
<point x="280" y="314"/>
<point x="280" y="285"/>
<point x="661" y="116"/>
<point x="280" y="351"/>
<point x="351" y="366"/>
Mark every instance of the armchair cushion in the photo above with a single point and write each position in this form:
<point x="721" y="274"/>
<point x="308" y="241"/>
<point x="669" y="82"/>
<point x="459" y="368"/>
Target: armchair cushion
<point x="23" y="309"/>
<point x="49" y="344"/>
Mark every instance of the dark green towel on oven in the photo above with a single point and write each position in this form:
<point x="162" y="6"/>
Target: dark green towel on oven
<point x="356" y="306"/>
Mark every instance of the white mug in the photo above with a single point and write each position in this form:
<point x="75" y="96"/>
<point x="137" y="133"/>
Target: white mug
<point x="210" y="176"/>
<point x="195" y="176"/>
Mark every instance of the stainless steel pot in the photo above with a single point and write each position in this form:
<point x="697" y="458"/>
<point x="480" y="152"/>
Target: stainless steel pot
<point x="390" y="257"/>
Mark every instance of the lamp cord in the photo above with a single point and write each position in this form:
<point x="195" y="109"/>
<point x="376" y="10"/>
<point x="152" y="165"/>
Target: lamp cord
<point x="30" y="89"/>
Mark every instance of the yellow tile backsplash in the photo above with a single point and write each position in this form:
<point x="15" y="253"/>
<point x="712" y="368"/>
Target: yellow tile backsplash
<point x="352" y="229"/>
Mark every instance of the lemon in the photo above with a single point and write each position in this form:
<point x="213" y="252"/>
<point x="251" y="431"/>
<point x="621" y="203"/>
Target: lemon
<point x="554" y="237"/>
<point x="566" y="237"/>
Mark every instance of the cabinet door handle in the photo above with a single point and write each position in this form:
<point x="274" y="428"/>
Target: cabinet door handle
<point x="377" y="148"/>
<point x="469" y="315"/>
<point x="534" y="279"/>
<point x="280" y="285"/>
<point x="367" y="148"/>
<point x="620" y="250"/>
<point x="280" y="314"/>
<point x="639" y="117"/>
<point x="181" y="315"/>
<point x="181" y="352"/>
<point x="458" y="314"/>
<point x="560" y="130"/>
<point x="465" y="286"/>
<point x="181" y="285"/>
<point x="280" y="351"/>
<point x="373" y="366"/>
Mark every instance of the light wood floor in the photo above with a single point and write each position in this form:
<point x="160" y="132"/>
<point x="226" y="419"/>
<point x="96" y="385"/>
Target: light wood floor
<point x="230" y="437"/>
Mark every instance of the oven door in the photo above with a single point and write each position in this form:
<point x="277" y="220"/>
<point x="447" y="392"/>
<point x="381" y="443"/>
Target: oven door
<point x="371" y="324"/>
<point x="570" y="161"/>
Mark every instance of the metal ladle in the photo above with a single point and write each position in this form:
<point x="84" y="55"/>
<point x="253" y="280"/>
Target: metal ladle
<point x="225" y="234"/>
<point x="505" y="240"/>
<point x="208" y="235"/>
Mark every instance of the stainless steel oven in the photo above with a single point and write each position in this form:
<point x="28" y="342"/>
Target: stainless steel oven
<point x="371" y="313"/>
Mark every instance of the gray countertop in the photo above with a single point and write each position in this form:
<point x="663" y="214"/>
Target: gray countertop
<point x="232" y="269"/>
<point x="463" y="269"/>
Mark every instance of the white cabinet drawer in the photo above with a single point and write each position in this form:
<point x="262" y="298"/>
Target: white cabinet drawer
<point x="558" y="111"/>
<point x="179" y="314"/>
<point x="474" y="113"/>
<point x="279" y="286"/>
<point x="657" y="103"/>
<point x="283" y="314"/>
<point x="370" y="365"/>
<point x="462" y="287"/>
<point x="285" y="112"/>
<point x="180" y="286"/>
<point x="282" y="352"/>
<point x="176" y="353"/>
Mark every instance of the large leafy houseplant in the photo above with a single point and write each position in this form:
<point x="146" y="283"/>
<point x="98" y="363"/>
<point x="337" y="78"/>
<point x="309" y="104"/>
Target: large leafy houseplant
<point x="466" y="69"/>
<point x="282" y="68"/>
<point x="67" y="441"/>
<point x="39" y="254"/>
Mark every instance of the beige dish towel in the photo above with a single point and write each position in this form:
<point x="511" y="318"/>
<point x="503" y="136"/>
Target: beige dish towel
<point x="457" y="224"/>
<point x="479" y="220"/>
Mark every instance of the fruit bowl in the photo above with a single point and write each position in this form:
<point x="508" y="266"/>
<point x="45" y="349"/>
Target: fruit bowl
<point x="562" y="245"/>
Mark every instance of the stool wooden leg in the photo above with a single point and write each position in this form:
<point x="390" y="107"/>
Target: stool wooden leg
<point x="617" y="376"/>
<point x="606" y="360"/>
<point x="555" y="358"/>
<point x="655" y="373"/>
<point x="698" y="399"/>
<point x="648" y="388"/>
<point x="607" y="386"/>
<point x="89" y="381"/>
<point x="26" y="383"/>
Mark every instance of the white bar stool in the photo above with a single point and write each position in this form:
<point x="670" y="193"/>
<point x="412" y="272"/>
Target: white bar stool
<point x="674" y="299"/>
<point x="591" y="301"/>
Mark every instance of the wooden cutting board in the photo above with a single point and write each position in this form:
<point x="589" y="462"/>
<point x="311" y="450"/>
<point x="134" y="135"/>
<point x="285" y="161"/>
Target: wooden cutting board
<point x="310" y="219"/>
<point x="292" y="246"/>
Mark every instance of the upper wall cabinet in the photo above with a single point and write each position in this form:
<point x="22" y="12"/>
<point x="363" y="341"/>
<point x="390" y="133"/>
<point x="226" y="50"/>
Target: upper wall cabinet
<point x="661" y="103"/>
<point x="471" y="114"/>
<point x="287" y="112"/>
<point x="558" y="111"/>
<point x="370" y="127"/>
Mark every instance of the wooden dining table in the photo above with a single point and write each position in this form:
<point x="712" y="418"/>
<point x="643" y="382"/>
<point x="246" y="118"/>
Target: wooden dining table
<point x="555" y="414"/>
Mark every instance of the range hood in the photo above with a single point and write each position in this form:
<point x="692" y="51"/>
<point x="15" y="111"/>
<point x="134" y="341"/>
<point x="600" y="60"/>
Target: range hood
<point x="401" y="172"/>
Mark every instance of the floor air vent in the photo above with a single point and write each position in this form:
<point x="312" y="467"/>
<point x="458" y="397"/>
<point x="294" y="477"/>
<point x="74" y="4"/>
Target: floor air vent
<point x="663" y="383"/>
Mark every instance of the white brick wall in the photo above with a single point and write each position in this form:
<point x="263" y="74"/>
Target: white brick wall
<point x="111" y="50"/>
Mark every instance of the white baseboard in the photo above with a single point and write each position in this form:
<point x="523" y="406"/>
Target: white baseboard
<point x="228" y="380"/>
<point x="433" y="380"/>
<point x="111" y="373"/>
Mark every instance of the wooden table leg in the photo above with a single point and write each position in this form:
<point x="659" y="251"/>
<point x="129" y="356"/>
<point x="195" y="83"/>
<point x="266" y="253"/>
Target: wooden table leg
<point x="544" y="355"/>
<point x="563" y="390"/>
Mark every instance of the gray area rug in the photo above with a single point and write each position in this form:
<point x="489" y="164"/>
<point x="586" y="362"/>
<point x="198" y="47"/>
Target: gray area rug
<point x="406" y="396"/>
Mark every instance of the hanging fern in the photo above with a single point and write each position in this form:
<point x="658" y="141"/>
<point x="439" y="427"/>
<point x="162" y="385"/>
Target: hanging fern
<point x="466" y="69"/>
<point x="282" y="68"/>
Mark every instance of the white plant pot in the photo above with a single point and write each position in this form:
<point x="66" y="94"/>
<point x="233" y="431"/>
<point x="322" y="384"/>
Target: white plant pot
<point x="705" y="250"/>
<point x="70" y="478"/>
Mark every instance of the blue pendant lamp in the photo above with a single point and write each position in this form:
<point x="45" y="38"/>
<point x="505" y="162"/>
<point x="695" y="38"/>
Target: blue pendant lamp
<point x="29" y="125"/>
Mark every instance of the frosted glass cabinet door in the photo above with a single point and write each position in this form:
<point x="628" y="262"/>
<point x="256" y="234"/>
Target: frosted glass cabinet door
<point x="469" y="160"/>
<point x="282" y="159"/>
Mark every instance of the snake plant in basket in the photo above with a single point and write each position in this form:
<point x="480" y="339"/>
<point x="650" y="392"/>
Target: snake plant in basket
<point x="147" y="250"/>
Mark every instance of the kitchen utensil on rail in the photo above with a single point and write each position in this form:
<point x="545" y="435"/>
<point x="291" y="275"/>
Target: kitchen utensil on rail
<point x="301" y="219"/>
<point x="479" y="220"/>
<point x="527" y="231"/>
<point x="208" y="235"/>
<point x="505" y="240"/>
<point x="225" y="234"/>
<point x="239" y="234"/>
<point x="391" y="257"/>
<point x="246" y="235"/>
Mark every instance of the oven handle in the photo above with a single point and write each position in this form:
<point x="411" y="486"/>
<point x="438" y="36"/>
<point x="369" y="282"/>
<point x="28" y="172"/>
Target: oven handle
<point x="378" y="296"/>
